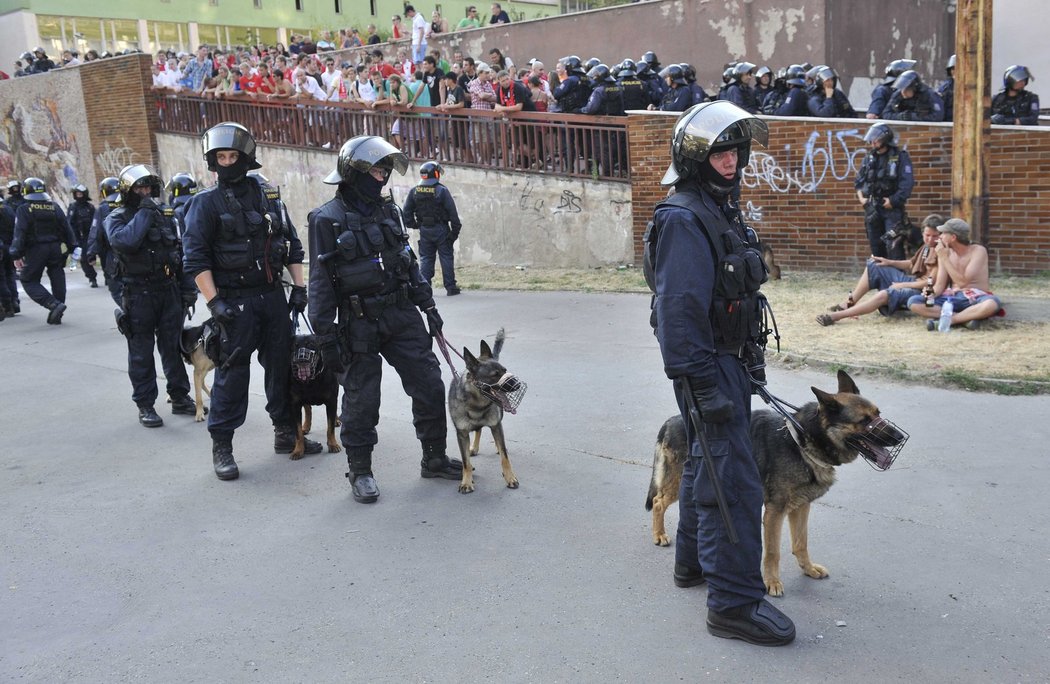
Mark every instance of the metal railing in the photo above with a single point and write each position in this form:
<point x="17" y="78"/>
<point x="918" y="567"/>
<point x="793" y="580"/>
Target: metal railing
<point x="540" y="142"/>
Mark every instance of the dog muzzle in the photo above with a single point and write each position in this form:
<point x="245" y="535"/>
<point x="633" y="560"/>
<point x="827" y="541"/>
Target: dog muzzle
<point x="508" y="391"/>
<point x="879" y="444"/>
<point x="306" y="364"/>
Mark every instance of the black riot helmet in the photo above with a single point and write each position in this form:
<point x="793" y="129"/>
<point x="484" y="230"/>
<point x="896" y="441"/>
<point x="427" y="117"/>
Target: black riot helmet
<point x="228" y="136"/>
<point x="950" y="69"/>
<point x="781" y="76"/>
<point x="628" y="68"/>
<point x="909" y="79"/>
<point x="712" y="127"/>
<point x="896" y="68"/>
<point x="689" y="72"/>
<point x="881" y="134"/>
<point x="34" y="188"/>
<point x="82" y="189"/>
<point x="137" y="176"/>
<point x="740" y="70"/>
<point x="764" y="71"/>
<point x="1015" y="74"/>
<point x="591" y="63"/>
<point x="642" y="68"/>
<point x="27" y="57"/>
<point x="573" y="65"/>
<point x="727" y="74"/>
<point x="109" y="189"/>
<point x="430" y="173"/>
<point x="650" y="59"/>
<point x="796" y="75"/>
<point x="181" y="185"/>
<point x="826" y="74"/>
<point x="674" y="72"/>
<point x="14" y="188"/>
<point x="360" y="154"/>
<point x="600" y="73"/>
<point x="811" y="73"/>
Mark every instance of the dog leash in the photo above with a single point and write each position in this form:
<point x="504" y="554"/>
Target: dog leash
<point x="295" y="322"/>
<point x="443" y="345"/>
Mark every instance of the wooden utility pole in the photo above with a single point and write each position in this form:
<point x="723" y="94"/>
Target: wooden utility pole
<point x="973" y="101"/>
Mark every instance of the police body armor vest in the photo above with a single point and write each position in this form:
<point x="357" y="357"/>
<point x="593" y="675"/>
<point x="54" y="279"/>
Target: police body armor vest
<point x="882" y="179"/>
<point x="43" y="220"/>
<point x="427" y="209"/>
<point x="574" y="100"/>
<point x="372" y="255"/>
<point x="81" y="214"/>
<point x="736" y="308"/>
<point x="612" y="101"/>
<point x="635" y="94"/>
<point x="160" y="253"/>
<point x="251" y="247"/>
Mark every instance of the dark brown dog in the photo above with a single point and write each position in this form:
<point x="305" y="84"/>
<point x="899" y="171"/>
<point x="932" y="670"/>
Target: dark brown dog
<point x="796" y="469"/>
<point x="311" y="384"/>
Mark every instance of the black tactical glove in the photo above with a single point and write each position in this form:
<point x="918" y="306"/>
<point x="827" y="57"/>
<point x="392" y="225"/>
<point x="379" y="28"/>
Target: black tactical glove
<point x="331" y="357"/>
<point x="714" y="406"/>
<point x="454" y="236"/>
<point x="222" y="311"/>
<point x="189" y="299"/>
<point x="297" y="299"/>
<point x="148" y="203"/>
<point x="434" y="322"/>
<point x="755" y="361"/>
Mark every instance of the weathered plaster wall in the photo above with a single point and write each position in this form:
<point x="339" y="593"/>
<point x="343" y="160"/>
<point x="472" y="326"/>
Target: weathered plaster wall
<point x="508" y="218"/>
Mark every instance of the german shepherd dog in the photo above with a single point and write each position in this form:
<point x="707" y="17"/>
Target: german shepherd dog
<point x="312" y="384"/>
<point x="192" y="345"/>
<point x="477" y="400"/>
<point x="797" y="466"/>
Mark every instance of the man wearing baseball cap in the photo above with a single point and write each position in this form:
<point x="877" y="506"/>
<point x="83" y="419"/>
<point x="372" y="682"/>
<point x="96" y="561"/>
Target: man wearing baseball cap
<point x="962" y="279"/>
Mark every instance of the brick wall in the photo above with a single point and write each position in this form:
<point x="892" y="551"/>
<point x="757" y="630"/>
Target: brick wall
<point x="799" y="191"/>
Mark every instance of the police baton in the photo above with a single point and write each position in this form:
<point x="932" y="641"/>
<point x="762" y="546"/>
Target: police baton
<point x="701" y="436"/>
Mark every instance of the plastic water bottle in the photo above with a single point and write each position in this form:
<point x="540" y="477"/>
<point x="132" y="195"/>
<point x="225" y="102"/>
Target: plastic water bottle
<point x="74" y="259"/>
<point x="945" y="323"/>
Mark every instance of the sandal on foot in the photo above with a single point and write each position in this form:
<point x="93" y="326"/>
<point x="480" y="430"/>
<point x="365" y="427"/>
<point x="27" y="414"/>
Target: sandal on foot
<point x="825" y="320"/>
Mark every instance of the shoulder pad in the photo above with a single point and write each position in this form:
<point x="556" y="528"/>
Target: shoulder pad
<point x="272" y="193"/>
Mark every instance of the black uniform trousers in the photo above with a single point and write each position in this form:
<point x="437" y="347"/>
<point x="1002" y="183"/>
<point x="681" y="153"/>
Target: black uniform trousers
<point x="263" y="325"/>
<point x="113" y="281"/>
<point x="877" y="222"/>
<point x="404" y="342"/>
<point x="732" y="570"/>
<point x="155" y="314"/>
<point x="437" y="239"/>
<point x="7" y="270"/>
<point x="89" y="268"/>
<point x="38" y="257"/>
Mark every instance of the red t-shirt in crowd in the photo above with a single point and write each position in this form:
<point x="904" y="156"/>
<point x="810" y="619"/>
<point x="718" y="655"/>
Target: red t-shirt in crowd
<point x="386" y="69"/>
<point x="250" y="84"/>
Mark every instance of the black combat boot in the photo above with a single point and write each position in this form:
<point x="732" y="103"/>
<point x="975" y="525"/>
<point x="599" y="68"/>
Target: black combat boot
<point x="222" y="458"/>
<point x="362" y="482"/>
<point x="149" y="418"/>
<point x="55" y="317"/>
<point x="686" y="576"/>
<point x="436" y="464"/>
<point x="94" y="283"/>
<point x="184" y="406"/>
<point x="284" y="441"/>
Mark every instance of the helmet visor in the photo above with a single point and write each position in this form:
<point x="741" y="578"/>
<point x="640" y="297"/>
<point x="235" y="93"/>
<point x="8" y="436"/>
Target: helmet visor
<point x="702" y="127"/>
<point x="362" y="153"/>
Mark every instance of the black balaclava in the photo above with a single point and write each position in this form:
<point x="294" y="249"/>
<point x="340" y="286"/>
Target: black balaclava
<point x="714" y="182"/>
<point x="234" y="173"/>
<point x="362" y="193"/>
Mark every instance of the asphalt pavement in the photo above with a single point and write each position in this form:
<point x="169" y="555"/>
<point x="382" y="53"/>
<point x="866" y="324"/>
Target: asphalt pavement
<point x="124" y="559"/>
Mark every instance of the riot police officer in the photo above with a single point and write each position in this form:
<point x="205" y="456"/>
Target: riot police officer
<point x="636" y="93"/>
<point x="606" y="95"/>
<point x="828" y="101"/>
<point x="677" y="97"/>
<point x="947" y="90"/>
<point x="237" y="242"/>
<point x="9" y="304"/>
<point x="653" y="81"/>
<point x="1013" y="104"/>
<point x="884" y="184"/>
<point x="912" y="100"/>
<point x="707" y="318"/>
<point x="572" y="93"/>
<point x="81" y="214"/>
<point x="366" y="295"/>
<point x="740" y="92"/>
<point x="182" y="187"/>
<point x="699" y="94"/>
<point x="98" y="243"/>
<point x="880" y="97"/>
<point x="795" y="102"/>
<point x="430" y="208"/>
<point x="156" y="291"/>
<point x="41" y="228"/>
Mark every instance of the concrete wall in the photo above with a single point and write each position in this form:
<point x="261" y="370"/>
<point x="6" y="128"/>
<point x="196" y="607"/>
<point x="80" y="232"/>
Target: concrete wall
<point x="799" y="195"/>
<point x="508" y="218"/>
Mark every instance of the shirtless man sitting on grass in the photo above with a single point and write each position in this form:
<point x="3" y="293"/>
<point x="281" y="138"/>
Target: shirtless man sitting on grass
<point x="964" y="267"/>
<point x="894" y="281"/>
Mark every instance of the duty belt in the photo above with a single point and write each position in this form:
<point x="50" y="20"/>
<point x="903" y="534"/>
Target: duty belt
<point x="246" y="292"/>
<point x="395" y="298"/>
<point x="149" y="283"/>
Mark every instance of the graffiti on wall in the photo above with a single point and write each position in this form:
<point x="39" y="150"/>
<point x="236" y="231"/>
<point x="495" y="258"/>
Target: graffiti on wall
<point x="34" y="143"/>
<point x="826" y="154"/>
<point x="112" y="159"/>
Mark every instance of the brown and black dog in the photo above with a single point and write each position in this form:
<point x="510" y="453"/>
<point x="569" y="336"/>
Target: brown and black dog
<point x="312" y="384"/>
<point x="797" y="467"/>
<point x="192" y="344"/>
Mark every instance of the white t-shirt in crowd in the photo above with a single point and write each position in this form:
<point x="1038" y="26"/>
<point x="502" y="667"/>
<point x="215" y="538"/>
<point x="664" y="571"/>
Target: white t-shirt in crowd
<point x="419" y="28"/>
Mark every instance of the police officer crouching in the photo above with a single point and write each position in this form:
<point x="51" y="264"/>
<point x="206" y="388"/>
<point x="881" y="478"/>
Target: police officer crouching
<point x="363" y="272"/>
<point x="430" y="208"/>
<point x="884" y="184"/>
<point x="41" y="228"/>
<point x="156" y="292"/>
<point x="237" y="242"/>
<point x="705" y="269"/>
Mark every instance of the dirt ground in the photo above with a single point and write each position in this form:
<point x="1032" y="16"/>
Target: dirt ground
<point x="1007" y="355"/>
